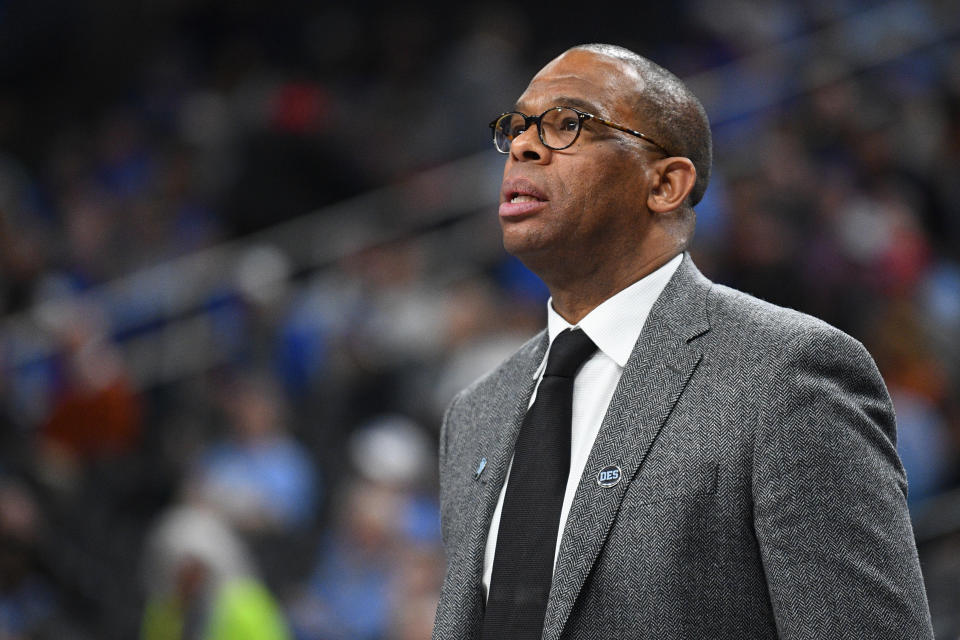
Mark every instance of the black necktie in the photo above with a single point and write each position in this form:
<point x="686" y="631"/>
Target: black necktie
<point x="529" y="522"/>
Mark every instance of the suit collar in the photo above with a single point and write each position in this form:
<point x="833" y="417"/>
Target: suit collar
<point x="683" y="307"/>
<point x="615" y="325"/>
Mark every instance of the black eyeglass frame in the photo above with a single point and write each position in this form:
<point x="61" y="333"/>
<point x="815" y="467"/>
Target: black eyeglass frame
<point x="581" y="116"/>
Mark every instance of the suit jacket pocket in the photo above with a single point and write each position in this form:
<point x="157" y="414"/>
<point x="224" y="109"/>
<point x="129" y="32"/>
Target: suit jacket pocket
<point x="673" y="483"/>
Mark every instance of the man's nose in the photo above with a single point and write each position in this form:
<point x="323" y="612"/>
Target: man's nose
<point x="527" y="147"/>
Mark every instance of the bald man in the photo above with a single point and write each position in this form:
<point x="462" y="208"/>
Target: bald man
<point x="669" y="458"/>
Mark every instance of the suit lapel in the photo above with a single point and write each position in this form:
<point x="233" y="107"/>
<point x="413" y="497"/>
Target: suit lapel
<point x="662" y="362"/>
<point x="497" y="427"/>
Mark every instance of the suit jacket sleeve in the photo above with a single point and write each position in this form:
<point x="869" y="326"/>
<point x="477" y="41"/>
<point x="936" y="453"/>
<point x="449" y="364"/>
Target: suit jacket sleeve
<point x="830" y="498"/>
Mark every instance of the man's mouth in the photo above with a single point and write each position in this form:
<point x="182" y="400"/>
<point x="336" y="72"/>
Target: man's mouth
<point x="521" y="190"/>
<point x="521" y="205"/>
<point x="520" y="198"/>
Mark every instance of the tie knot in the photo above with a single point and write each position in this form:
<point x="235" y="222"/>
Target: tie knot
<point x="570" y="349"/>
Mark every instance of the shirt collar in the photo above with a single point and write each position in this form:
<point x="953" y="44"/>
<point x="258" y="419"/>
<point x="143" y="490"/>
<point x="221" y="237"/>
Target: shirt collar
<point x="615" y="325"/>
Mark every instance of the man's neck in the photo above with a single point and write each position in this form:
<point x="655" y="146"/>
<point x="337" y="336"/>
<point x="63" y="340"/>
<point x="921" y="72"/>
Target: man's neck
<point x="574" y="298"/>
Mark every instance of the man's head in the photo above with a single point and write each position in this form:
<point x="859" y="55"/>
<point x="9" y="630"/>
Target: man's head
<point x="620" y="197"/>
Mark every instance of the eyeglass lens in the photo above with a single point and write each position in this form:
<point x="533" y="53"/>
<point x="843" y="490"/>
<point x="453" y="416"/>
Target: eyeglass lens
<point x="558" y="128"/>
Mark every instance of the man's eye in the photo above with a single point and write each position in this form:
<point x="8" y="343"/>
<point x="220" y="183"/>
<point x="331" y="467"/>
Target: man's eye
<point x="516" y="130"/>
<point x="569" y="124"/>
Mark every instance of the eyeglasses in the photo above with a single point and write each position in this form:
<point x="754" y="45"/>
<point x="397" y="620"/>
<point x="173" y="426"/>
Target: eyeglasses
<point x="558" y="127"/>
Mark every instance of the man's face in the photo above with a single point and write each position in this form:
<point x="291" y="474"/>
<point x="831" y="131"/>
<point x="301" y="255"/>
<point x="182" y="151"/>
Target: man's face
<point x="585" y="205"/>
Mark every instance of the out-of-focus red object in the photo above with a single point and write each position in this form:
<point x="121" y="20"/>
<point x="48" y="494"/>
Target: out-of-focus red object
<point x="95" y="423"/>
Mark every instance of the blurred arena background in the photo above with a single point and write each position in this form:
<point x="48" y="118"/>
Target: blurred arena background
<point x="249" y="252"/>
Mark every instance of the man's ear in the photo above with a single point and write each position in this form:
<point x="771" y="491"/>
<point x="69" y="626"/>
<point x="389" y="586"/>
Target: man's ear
<point x="672" y="180"/>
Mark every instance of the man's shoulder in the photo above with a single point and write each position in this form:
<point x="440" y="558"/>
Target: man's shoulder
<point x="739" y="318"/>
<point x="692" y="304"/>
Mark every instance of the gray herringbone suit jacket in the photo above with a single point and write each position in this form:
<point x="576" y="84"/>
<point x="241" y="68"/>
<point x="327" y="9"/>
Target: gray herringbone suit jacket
<point x="762" y="496"/>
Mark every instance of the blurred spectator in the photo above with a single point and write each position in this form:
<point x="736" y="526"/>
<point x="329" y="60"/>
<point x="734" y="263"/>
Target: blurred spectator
<point x="348" y="594"/>
<point x="381" y="564"/>
<point x="257" y="475"/>
<point x="30" y="604"/>
<point x="394" y="451"/>
<point x="200" y="583"/>
<point x="919" y="388"/>
<point x="416" y="592"/>
<point x="96" y="413"/>
<point x="484" y="325"/>
<point x="401" y="313"/>
<point x="373" y="572"/>
<point x="24" y="235"/>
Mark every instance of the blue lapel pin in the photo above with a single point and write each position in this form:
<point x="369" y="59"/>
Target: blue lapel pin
<point x="480" y="468"/>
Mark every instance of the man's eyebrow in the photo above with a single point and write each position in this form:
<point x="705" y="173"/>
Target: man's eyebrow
<point x="567" y="101"/>
<point x="578" y="103"/>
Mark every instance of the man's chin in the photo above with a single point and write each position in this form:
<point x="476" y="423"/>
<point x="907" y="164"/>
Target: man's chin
<point x="520" y="246"/>
<point x="531" y="251"/>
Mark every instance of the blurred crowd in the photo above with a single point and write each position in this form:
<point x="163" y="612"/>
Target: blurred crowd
<point x="288" y="489"/>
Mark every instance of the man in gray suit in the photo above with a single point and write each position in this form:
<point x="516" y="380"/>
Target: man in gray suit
<point x="732" y="470"/>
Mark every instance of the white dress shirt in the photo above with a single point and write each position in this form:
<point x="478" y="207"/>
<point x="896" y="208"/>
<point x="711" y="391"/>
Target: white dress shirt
<point x="614" y="326"/>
